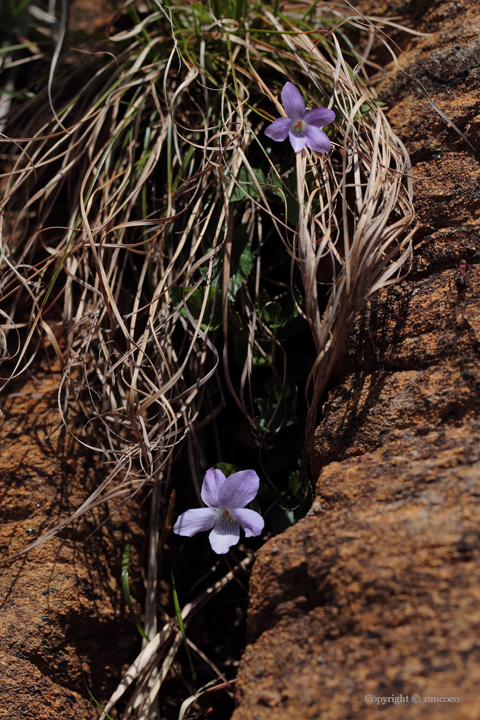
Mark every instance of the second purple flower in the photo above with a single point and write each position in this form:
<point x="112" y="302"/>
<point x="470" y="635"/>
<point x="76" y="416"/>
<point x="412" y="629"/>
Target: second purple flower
<point x="303" y="127"/>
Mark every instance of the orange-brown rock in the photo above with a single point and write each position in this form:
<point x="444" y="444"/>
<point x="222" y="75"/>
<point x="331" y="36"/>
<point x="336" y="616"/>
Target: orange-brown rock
<point x="62" y="612"/>
<point x="376" y="593"/>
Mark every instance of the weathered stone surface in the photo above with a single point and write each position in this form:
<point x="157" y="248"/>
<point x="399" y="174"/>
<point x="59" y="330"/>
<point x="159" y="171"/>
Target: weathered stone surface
<point x="380" y="582"/>
<point x="376" y="593"/>
<point x="62" y="613"/>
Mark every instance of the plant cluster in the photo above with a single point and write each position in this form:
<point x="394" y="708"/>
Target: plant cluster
<point x="195" y="281"/>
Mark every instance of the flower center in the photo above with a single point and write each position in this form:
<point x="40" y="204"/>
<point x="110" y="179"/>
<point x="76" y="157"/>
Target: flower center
<point x="226" y="520"/>
<point x="298" y="128"/>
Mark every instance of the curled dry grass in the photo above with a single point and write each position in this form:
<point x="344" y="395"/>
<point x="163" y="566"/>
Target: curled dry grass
<point x="117" y="231"/>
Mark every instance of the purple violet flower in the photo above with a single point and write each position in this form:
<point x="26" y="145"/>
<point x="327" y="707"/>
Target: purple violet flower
<point x="226" y="499"/>
<point x="304" y="127"/>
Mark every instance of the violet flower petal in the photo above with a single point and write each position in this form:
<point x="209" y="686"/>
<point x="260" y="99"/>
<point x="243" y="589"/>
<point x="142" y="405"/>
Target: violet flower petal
<point x="251" y="521"/>
<point x="293" y="102"/>
<point x="238" y="489"/>
<point x="317" y="140"/>
<point x="212" y="483"/>
<point x="298" y="143"/>
<point x="193" y="521"/>
<point x="278" y="130"/>
<point x="319" y="117"/>
<point x="223" y="536"/>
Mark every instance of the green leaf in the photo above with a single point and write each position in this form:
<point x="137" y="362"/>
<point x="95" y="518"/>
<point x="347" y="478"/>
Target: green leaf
<point x="281" y="519"/>
<point x="227" y="468"/>
<point x="237" y="326"/>
<point x="293" y="209"/>
<point x="212" y="317"/>
<point x="269" y="311"/>
<point x="295" y="485"/>
<point x="367" y="108"/>
<point x="273" y="314"/>
<point x="245" y="186"/>
<point x="276" y="184"/>
<point x="242" y="261"/>
<point x="262" y="300"/>
<point x="285" y="191"/>
<point x="240" y="264"/>
<point x="18" y="7"/>
<point x="294" y="504"/>
<point x="273" y="413"/>
<point x="291" y="311"/>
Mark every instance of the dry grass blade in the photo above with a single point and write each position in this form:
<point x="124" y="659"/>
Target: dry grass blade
<point x="149" y="656"/>
<point x="212" y="686"/>
<point x="364" y="225"/>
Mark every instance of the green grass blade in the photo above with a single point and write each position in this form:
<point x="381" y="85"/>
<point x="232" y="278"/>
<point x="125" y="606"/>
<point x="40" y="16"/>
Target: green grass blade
<point x="96" y="701"/>
<point x="126" y="592"/>
<point x="182" y="627"/>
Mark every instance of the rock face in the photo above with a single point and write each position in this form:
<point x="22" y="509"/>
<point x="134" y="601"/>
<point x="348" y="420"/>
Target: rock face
<point x="375" y="594"/>
<point x="62" y="613"/>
